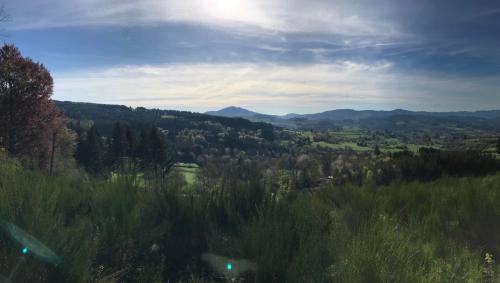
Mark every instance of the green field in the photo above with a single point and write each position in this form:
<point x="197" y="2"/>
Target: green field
<point x="362" y="141"/>
<point x="341" y="146"/>
<point x="189" y="170"/>
<point x="168" y="117"/>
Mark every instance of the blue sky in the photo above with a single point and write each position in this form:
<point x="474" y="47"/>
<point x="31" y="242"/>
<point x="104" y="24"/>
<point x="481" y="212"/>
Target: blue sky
<point x="271" y="56"/>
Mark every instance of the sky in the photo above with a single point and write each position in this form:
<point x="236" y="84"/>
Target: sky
<point x="270" y="56"/>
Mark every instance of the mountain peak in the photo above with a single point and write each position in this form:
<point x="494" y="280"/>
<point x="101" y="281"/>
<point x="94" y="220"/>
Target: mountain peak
<point x="232" y="111"/>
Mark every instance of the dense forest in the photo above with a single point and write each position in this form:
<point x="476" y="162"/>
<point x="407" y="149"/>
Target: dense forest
<point x="108" y="193"/>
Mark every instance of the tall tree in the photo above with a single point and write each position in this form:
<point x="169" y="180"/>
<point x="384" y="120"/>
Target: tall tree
<point x="143" y="149"/>
<point x="498" y="145"/>
<point x="154" y="152"/>
<point x="81" y="154"/>
<point x="29" y="120"/>
<point x="131" y="142"/>
<point x="131" y="152"/>
<point x="118" y="146"/>
<point x="326" y="163"/>
<point x="95" y="152"/>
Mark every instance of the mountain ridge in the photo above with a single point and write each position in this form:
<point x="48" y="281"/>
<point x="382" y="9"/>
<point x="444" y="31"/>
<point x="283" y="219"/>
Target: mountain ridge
<point x="348" y="114"/>
<point x="233" y="112"/>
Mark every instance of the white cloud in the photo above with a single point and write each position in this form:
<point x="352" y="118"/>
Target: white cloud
<point x="296" y="16"/>
<point x="274" y="88"/>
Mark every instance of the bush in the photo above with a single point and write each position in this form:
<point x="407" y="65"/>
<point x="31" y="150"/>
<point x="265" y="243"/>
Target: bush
<point x="114" y="231"/>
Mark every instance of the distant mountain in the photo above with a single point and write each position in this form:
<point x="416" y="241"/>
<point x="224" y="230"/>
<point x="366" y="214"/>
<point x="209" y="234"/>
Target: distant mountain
<point x="233" y="111"/>
<point x="488" y="114"/>
<point x="345" y="114"/>
<point x="349" y="114"/>
<point x="396" y="120"/>
<point x="366" y="118"/>
<point x="290" y="116"/>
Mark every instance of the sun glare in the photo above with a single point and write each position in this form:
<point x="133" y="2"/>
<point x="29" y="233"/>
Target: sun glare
<point x="227" y="9"/>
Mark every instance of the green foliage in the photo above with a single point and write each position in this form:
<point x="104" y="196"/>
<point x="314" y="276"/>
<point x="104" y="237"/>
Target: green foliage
<point x="114" y="231"/>
<point x="498" y="145"/>
<point x="91" y="151"/>
<point x="31" y="126"/>
<point x="290" y="241"/>
<point x="384" y="251"/>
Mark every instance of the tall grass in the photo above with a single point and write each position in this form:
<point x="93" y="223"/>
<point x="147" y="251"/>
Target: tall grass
<point x="114" y="231"/>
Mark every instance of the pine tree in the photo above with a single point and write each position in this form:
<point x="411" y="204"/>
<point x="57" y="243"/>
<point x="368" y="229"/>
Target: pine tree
<point x="159" y="152"/>
<point x="118" y="147"/>
<point x="498" y="145"/>
<point x="95" y="152"/>
<point x="81" y="155"/>
<point x="131" y="142"/>
<point x="154" y="152"/>
<point x="143" y="149"/>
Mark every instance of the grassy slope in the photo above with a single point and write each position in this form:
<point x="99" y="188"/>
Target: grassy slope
<point x="435" y="232"/>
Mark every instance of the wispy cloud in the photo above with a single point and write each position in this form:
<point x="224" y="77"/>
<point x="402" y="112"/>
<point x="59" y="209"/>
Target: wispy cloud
<point x="272" y="48"/>
<point x="276" y="89"/>
<point x="290" y="16"/>
<point x="272" y="56"/>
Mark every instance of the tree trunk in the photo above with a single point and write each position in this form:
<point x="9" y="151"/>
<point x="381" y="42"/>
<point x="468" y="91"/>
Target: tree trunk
<point x="11" y="142"/>
<point x="52" y="152"/>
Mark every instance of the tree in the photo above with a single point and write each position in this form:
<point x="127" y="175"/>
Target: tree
<point x="160" y="153"/>
<point x="118" y="146"/>
<point x="498" y="145"/>
<point x="30" y="123"/>
<point x="91" y="151"/>
<point x="326" y="163"/>
<point x="81" y="144"/>
<point x="131" y="142"/>
<point x="154" y="152"/>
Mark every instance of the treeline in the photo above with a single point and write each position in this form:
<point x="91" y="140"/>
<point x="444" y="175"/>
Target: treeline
<point x="403" y="124"/>
<point x="431" y="164"/>
<point x="124" y="151"/>
<point x="104" y="116"/>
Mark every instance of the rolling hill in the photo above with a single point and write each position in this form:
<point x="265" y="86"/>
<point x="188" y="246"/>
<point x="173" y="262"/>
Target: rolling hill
<point x="233" y="112"/>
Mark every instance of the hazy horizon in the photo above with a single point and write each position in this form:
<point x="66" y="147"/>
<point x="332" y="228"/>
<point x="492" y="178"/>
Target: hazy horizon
<point x="285" y="113"/>
<point x="272" y="57"/>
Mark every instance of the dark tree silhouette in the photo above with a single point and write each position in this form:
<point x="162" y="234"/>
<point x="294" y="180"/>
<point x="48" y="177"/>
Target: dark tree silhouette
<point x="154" y="152"/>
<point x="30" y="122"/>
<point x="95" y="151"/>
<point x="118" y="147"/>
<point x="498" y="145"/>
